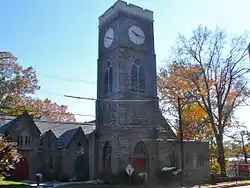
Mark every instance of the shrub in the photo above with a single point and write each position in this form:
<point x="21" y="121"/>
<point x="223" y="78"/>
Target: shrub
<point x="168" y="174"/>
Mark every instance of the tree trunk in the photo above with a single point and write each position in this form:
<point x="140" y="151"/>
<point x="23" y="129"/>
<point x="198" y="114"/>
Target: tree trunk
<point x="221" y="156"/>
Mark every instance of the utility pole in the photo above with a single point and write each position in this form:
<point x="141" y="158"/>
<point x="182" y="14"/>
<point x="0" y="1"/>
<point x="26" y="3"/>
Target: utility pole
<point x="181" y="142"/>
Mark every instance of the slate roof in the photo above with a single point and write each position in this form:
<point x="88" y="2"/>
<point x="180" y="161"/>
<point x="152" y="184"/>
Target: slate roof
<point x="4" y="128"/>
<point x="65" y="138"/>
<point x="5" y="119"/>
<point x="5" y="123"/>
<point x="58" y="128"/>
<point x="64" y="131"/>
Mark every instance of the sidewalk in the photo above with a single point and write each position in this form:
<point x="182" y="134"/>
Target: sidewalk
<point x="225" y="184"/>
<point x="219" y="185"/>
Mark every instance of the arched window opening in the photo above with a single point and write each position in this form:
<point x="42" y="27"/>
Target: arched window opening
<point x="140" y="149"/>
<point x="137" y="77"/>
<point x="114" y="111"/>
<point x="107" y="157"/>
<point x="108" y="78"/>
<point x="110" y="83"/>
<point x="141" y="79"/>
<point x="51" y="163"/>
<point x="134" y="78"/>
<point x="138" y="62"/>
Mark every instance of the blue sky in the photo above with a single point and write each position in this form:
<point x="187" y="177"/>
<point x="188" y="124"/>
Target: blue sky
<point x="59" y="38"/>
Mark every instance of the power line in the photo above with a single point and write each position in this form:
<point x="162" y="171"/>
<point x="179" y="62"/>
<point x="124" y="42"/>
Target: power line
<point x="76" y="97"/>
<point x="69" y="79"/>
<point x="118" y="100"/>
<point x="47" y="112"/>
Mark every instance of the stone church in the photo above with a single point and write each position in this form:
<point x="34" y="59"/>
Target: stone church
<point x="129" y="126"/>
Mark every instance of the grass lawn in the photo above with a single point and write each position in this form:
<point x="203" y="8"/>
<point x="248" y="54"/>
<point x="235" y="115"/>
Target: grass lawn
<point x="86" y="186"/>
<point x="4" y="183"/>
<point x="233" y="183"/>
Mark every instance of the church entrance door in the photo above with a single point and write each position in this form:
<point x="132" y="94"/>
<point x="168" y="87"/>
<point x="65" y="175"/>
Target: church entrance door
<point x="21" y="171"/>
<point x="140" y="157"/>
<point x="81" y="168"/>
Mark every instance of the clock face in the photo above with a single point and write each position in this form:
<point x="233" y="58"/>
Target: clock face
<point x="136" y="35"/>
<point x="109" y="37"/>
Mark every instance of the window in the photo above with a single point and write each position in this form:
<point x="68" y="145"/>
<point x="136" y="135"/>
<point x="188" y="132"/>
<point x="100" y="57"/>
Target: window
<point x="140" y="149"/>
<point x="79" y="144"/>
<point x="51" y="163"/>
<point x="23" y="141"/>
<point x="194" y="160"/>
<point x="20" y="141"/>
<point x="26" y="140"/>
<point x="186" y="159"/>
<point x="41" y="142"/>
<point x="29" y="141"/>
<point x="107" y="157"/>
<point x="201" y="161"/>
<point x="108" y="78"/>
<point x="137" y="77"/>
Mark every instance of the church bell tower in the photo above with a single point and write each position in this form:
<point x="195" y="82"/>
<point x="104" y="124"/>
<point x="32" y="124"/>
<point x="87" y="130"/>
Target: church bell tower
<point x="127" y="103"/>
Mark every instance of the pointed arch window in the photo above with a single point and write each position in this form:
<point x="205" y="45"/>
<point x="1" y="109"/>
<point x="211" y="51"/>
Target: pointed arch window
<point x="140" y="149"/>
<point x="137" y="77"/>
<point x="107" y="157"/>
<point x="108" y="77"/>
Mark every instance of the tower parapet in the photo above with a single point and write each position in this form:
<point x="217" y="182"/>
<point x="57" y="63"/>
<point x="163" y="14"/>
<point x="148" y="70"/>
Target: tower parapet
<point x="127" y="8"/>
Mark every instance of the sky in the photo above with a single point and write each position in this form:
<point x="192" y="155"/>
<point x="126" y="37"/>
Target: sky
<point x="59" y="39"/>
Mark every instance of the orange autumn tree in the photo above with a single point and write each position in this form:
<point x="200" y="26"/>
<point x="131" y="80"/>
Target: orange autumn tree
<point x="44" y="109"/>
<point x="210" y="68"/>
<point x="195" y="123"/>
<point x="9" y="155"/>
<point x="172" y="85"/>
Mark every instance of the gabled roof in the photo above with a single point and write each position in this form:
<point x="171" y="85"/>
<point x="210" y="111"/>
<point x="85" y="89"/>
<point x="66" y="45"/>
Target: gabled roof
<point x="93" y="121"/>
<point x="6" y="127"/>
<point x="66" y="137"/>
<point x="59" y="128"/>
<point x="64" y="131"/>
<point x="47" y="132"/>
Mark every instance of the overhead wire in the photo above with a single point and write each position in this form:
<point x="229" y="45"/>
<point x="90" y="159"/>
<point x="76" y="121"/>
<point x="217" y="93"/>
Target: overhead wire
<point x="68" y="79"/>
<point x="46" y="112"/>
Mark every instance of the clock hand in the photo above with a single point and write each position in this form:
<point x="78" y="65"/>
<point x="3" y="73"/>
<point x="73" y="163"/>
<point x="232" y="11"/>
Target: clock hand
<point x="137" y="34"/>
<point x="109" y="38"/>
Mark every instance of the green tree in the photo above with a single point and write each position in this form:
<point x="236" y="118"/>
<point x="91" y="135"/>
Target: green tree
<point x="211" y="69"/>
